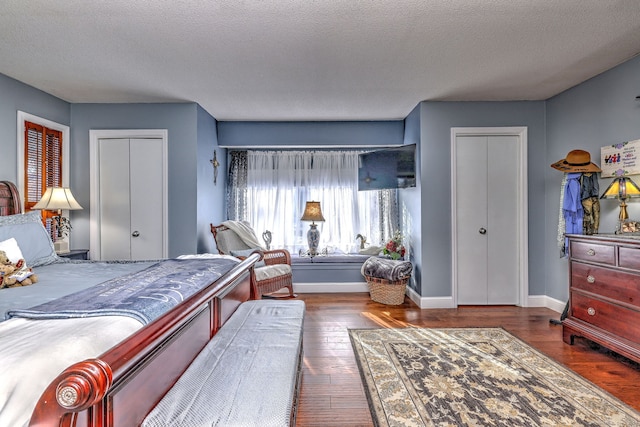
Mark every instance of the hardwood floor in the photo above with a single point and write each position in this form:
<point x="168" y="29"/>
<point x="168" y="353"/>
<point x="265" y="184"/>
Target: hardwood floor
<point x="332" y="393"/>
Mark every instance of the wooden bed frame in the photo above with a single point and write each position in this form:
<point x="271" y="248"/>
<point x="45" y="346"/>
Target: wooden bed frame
<point x="121" y="386"/>
<point x="9" y="199"/>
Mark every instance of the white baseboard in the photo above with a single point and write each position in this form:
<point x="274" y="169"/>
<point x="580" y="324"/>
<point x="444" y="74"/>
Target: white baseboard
<point x="546" y="301"/>
<point x="420" y="301"/>
<point x="447" y="302"/>
<point x="430" y="302"/>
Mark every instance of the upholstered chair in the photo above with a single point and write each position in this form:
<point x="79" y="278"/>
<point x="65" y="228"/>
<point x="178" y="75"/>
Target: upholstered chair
<point x="270" y="274"/>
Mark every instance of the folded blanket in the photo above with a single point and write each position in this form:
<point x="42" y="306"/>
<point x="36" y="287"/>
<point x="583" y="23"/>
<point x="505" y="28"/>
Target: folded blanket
<point x="245" y="232"/>
<point x="388" y="269"/>
<point x="143" y="295"/>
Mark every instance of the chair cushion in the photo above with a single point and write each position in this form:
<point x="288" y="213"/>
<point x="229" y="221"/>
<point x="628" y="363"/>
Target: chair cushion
<point x="271" y="271"/>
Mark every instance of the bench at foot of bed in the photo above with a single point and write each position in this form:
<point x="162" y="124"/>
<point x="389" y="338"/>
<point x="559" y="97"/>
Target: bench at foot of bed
<point x="248" y="374"/>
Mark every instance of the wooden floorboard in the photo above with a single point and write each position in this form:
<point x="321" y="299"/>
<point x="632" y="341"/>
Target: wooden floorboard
<point x="332" y="393"/>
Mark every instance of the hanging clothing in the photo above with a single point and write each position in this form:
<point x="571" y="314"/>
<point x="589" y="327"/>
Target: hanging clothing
<point x="589" y="186"/>
<point x="589" y="192"/>
<point x="572" y="207"/>
<point x="561" y="227"/>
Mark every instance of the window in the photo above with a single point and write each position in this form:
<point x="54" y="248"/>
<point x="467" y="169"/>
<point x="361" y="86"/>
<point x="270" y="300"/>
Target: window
<point x="42" y="147"/>
<point x="269" y="189"/>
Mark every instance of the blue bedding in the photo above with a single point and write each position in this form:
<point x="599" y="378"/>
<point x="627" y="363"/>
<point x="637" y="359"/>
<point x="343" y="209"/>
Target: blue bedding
<point x="61" y="278"/>
<point x="143" y="295"/>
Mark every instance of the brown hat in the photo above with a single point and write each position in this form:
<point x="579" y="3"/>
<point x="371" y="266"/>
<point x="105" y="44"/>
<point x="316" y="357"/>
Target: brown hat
<point x="576" y="161"/>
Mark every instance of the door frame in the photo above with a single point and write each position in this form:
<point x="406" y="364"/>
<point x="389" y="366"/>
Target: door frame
<point x="94" y="171"/>
<point x="522" y="205"/>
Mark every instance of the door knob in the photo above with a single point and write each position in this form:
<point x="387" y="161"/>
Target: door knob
<point x="135" y="233"/>
<point x="482" y="231"/>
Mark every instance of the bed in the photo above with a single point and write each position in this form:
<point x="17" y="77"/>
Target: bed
<point x="102" y="365"/>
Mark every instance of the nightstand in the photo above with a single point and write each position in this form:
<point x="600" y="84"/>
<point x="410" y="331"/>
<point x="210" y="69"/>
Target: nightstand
<point x="76" y="254"/>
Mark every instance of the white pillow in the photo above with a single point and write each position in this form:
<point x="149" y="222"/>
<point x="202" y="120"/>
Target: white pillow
<point x="11" y="248"/>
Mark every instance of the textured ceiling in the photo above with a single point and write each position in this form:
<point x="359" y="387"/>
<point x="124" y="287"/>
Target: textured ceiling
<point x="313" y="59"/>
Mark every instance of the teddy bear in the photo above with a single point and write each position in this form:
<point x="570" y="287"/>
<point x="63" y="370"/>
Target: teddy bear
<point x="15" y="274"/>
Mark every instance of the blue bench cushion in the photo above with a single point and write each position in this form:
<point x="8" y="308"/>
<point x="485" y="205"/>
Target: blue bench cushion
<point x="245" y="376"/>
<point x="330" y="259"/>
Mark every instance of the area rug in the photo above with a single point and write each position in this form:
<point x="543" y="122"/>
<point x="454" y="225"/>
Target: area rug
<point x="475" y="377"/>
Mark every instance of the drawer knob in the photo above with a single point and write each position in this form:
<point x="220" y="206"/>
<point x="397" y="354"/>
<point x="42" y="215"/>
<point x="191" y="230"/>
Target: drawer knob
<point x="591" y="252"/>
<point x="591" y="279"/>
<point x="591" y="311"/>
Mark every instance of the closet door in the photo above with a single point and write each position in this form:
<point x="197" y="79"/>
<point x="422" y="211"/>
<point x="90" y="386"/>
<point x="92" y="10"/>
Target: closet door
<point x="115" y="218"/>
<point x="145" y="170"/>
<point x="486" y="220"/>
<point x="131" y="199"/>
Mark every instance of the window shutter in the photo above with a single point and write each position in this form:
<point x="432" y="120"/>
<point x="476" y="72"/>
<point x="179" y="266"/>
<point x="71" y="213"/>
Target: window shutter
<point x="34" y="161"/>
<point x="53" y="160"/>
<point x="43" y="161"/>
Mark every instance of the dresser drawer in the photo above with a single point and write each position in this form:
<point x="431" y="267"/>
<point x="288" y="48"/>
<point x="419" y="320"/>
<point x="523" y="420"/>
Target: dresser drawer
<point x="614" y="284"/>
<point x="610" y="317"/>
<point x="629" y="258"/>
<point x="592" y="252"/>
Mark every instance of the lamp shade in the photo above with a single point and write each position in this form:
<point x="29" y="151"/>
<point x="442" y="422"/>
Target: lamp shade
<point x="621" y="188"/>
<point x="312" y="212"/>
<point x="57" y="198"/>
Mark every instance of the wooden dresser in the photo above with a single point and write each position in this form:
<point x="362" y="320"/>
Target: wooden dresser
<point x="604" y="294"/>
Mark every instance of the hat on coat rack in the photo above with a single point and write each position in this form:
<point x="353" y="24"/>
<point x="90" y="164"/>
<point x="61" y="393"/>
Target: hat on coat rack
<point x="576" y="161"/>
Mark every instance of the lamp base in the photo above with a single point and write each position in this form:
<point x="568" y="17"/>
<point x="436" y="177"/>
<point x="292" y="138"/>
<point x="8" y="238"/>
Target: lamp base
<point x="61" y="247"/>
<point x="313" y="239"/>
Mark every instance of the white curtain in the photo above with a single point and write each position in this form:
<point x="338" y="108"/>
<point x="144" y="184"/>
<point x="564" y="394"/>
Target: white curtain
<point x="279" y="183"/>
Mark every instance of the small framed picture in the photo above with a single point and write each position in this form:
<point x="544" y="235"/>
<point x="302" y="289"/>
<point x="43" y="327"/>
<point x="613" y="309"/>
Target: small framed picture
<point x="620" y="159"/>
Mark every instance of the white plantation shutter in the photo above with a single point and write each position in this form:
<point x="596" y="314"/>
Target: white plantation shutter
<point x="43" y="164"/>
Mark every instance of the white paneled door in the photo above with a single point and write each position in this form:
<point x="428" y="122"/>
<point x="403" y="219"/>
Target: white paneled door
<point x="486" y="215"/>
<point x="131" y="195"/>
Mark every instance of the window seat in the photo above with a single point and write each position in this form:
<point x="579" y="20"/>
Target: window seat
<point x="332" y="259"/>
<point x="336" y="270"/>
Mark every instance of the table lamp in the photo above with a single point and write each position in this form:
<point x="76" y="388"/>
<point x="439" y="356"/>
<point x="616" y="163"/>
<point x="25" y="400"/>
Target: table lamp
<point x="312" y="212"/>
<point x="58" y="199"/>
<point x="621" y="188"/>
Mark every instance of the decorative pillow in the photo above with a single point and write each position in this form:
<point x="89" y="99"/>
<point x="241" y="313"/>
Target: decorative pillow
<point x="33" y="240"/>
<point x="12" y="250"/>
<point x="246" y="252"/>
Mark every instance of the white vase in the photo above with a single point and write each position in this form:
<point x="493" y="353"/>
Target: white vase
<point x="313" y="238"/>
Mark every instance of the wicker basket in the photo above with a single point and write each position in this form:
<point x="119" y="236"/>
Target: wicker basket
<point x="390" y="292"/>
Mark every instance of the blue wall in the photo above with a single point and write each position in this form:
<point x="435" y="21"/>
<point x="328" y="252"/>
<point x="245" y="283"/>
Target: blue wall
<point x="18" y="96"/>
<point x="181" y="122"/>
<point x="436" y="121"/>
<point x="210" y="197"/>
<point x="193" y="199"/>
<point x="599" y="112"/>
<point x="410" y="204"/>
<point x="314" y="134"/>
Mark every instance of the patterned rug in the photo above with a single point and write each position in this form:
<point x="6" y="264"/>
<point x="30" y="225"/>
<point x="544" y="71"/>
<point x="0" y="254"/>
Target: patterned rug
<point x="475" y="377"/>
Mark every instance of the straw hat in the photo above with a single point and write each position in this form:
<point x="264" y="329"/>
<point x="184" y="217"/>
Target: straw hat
<point x="576" y="161"/>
